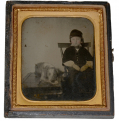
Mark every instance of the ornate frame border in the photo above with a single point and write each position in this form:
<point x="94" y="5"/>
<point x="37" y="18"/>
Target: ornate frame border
<point x="13" y="53"/>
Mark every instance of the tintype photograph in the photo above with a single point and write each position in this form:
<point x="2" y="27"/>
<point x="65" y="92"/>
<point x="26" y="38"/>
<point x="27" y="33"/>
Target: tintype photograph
<point x="58" y="59"/>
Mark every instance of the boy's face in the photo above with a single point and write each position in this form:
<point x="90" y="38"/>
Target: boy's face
<point x="76" y="41"/>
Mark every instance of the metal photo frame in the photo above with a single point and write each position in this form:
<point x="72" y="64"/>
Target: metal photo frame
<point x="101" y="105"/>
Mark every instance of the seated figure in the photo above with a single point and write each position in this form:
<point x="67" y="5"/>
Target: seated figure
<point x="79" y="83"/>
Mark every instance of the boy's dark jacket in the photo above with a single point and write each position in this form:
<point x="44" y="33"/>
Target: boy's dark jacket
<point x="79" y="57"/>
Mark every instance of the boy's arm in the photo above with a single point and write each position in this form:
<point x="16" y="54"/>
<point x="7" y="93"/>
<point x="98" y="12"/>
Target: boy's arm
<point x="88" y="64"/>
<point x="67" y="60"/>
<point x="69" y="63"/>
<point x="72" y="64"/>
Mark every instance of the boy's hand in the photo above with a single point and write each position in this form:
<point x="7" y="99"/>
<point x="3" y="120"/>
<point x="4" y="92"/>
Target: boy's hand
<point x="83" y="68"/>
<point x="90" y="64"/>
<point x="76" y="67"/>
<point x="72" y="64"/>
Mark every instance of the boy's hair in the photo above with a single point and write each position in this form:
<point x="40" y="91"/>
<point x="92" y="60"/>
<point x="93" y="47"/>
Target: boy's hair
<point x="77" y="33"/>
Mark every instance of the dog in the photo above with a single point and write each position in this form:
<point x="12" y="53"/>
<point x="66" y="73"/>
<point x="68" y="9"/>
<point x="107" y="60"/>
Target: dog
<point x="46" y="72"/>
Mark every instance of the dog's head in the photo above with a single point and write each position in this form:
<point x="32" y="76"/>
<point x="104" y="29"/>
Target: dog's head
<point x="53" y="74"/>
<point x="47" y="73"/>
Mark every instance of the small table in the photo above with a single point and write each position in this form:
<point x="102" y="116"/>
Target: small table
<point x="33" y="90"/>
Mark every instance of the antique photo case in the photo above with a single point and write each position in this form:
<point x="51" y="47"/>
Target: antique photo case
<point x="58" y="60"/>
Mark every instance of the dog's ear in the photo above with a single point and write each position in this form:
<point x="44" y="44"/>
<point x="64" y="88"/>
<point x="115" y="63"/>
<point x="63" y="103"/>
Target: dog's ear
<point x="59" y="72"/>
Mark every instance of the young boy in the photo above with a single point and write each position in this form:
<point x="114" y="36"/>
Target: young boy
<point x="79" y="63"/>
